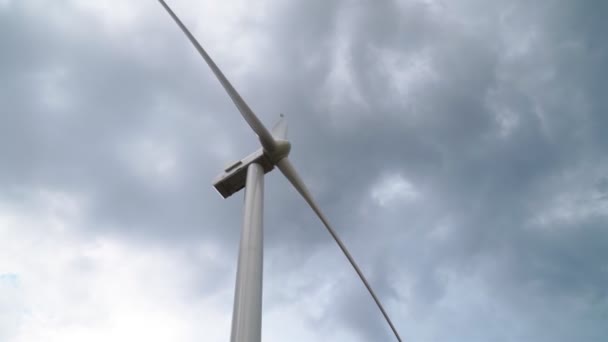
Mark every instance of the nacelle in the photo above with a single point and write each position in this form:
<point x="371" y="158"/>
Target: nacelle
<point x="234" y="176"/>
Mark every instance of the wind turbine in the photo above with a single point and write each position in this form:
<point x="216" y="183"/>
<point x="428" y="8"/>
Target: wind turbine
<point x="249" y="173"/>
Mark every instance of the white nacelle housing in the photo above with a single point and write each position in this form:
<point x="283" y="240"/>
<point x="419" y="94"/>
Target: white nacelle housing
<point x="234" y="176"/>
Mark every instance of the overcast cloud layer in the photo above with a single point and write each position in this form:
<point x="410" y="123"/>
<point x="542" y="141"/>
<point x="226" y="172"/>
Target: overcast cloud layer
<point x="459" y="148"/>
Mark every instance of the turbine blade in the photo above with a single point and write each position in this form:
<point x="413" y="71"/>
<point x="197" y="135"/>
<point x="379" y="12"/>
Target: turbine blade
<point x="279" y="131"/>
<point x="263" y="134"/>
<point x="288" y="170"/>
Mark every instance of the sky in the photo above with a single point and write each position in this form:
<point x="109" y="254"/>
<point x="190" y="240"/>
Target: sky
<point x="458" y="147"/>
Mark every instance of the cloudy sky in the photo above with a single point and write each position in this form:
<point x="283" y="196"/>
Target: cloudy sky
<point x="459" y="147"/>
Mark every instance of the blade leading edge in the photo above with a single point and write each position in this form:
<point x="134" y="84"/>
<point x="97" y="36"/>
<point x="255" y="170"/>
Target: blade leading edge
<point x="263" y="134"/>
<point x="288" y="170"/>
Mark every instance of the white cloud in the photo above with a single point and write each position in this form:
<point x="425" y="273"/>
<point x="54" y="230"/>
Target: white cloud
<point x="5" y="4"/>
<point x="391" y="188"/>
<point x="570" y="208"/>
<point x="341" y="89"/>
<point x="407" y="73"/>
<point x="571" y="198"/>
<point x="62" y="285"/>
<point x="116" y="17"/>
<point x="229" y="30"/>
<point x="151" y="159"/>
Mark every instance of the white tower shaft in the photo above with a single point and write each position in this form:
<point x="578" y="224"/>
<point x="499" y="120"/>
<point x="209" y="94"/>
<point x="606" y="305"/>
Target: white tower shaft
<point x="247" y="312"/>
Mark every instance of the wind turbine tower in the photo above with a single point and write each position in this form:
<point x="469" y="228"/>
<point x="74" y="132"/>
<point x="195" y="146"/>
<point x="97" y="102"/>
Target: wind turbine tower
<point x="248" y="173"/>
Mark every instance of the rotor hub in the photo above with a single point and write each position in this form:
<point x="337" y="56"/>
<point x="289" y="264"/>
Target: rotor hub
<point x="281" y="150"/>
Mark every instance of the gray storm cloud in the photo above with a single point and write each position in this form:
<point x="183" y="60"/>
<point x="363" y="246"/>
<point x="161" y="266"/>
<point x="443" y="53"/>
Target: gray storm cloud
<point x="458" y="148"/>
